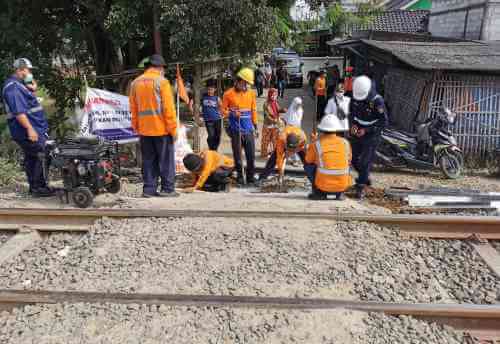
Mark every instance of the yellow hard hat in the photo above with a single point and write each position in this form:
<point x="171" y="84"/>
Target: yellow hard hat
<point x="246" y="74"/>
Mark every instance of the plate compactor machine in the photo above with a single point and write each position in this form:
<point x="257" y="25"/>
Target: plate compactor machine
<point x="88" y="166"/>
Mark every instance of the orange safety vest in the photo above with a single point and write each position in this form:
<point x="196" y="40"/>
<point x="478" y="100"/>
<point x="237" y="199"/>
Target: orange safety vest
<point x="211" y="162"/>
<point x="281" y="150"/>
<point x="320" y="86"/>
<point x="348" y="84"/>
<point x="152" y="105"/>
<point x="332" y="156"/>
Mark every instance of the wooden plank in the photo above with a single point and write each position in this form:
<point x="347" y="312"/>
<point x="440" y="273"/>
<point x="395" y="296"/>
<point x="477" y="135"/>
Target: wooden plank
<point x="17" y="244"/>
<point x="490" y="256"/>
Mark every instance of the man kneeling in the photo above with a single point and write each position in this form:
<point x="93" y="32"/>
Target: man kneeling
<point x="328" y="160"/>
<point x="211" y="169"/>
<point x="291" y="141"/>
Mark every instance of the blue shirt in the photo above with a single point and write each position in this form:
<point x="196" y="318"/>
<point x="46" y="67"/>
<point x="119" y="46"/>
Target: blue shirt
<point x="19" y="100"/>
<point x="210" y="108"/>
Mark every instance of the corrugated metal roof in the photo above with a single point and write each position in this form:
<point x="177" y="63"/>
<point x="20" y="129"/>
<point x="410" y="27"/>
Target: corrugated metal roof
<point x="471" y="56"/>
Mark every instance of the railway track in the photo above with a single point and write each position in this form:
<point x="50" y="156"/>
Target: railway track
<point x="431" y="226"/>
<point x="481" y="321"/>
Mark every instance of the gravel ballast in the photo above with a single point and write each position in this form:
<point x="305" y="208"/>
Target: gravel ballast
<point x="285" y="258"/>
<point x="5" y="236"/>
<point x="141" y="324"/>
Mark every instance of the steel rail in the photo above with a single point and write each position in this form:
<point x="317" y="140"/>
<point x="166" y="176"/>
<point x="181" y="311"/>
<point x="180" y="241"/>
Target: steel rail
<point x="433" y="226"/>
<point x="23" y="297"/>
<point x="479" y="318"/>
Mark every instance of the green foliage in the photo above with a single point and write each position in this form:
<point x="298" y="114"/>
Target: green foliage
<point x="9" y="171"/>
<point x="337" y="18"/>
<point x="199" y="29"/>
<point x="69" y="39"/>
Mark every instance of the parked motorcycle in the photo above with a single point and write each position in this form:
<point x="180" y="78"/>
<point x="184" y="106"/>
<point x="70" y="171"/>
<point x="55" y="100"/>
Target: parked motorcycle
<point x="432" y="147"/>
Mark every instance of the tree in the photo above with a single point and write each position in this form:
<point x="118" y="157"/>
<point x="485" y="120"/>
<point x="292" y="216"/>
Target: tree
<point x="68" y="39"/>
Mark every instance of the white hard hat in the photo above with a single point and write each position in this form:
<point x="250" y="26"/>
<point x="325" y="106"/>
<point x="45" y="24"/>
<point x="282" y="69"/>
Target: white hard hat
<point x="361" y="87"/>
<point x="330" y="124"/>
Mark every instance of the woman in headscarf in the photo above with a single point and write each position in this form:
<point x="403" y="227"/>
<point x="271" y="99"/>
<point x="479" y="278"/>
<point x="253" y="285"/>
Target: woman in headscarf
<point x="295" y="113"/>
<point x="270" y="129"/>
<point x="293" y="117"/>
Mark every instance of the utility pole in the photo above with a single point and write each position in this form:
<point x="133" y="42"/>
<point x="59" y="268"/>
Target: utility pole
<point x="156" y="28"/>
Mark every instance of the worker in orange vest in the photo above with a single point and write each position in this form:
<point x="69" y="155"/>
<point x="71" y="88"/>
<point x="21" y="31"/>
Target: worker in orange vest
<point x="290" y="142"/>
<point x="320" y="92"/>
<point x="328" y="161"/>
<point x="154" y="120"/>
<point x="212" y="171"/>
<point x="239" y="106"/>
<point x="348" y="81"/>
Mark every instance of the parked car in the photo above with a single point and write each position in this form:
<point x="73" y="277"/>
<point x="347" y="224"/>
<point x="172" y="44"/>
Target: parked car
<point x="293" y="64"/>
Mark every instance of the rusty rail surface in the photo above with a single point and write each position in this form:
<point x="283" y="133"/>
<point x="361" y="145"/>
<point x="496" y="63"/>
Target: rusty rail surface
<point x="433" y="226"/>
<point x="473" y="318"/>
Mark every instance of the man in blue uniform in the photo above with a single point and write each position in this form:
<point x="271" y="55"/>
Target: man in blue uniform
<point x="368" y="117"/>
<point x="28" y="124"/>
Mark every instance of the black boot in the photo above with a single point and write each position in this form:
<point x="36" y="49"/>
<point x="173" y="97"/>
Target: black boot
<point x="340" y="196"/>
<point x="317" y="195"/>
<point x="360" y="192"/>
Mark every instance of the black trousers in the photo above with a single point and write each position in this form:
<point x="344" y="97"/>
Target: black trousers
<point x="218" y="180"/>
<point x="214" y="129"/>
<point x="363" y="155"/>
<point x="260" y="88"/>
<point x="247" y="142"/>
<point x="322" y="102"/>
<point x="271" y="164"/>
<point x="158" y="161"/>
<point x="33" y="163"/>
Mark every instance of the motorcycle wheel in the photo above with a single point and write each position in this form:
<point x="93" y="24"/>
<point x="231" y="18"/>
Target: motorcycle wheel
<point x="82" y="197"/>
<point x="451" y="164"/>
<point x="115" y="186"/>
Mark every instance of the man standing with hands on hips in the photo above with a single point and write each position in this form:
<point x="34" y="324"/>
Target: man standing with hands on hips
<point x="27" y="124"/>
<point x="154" y="119"/>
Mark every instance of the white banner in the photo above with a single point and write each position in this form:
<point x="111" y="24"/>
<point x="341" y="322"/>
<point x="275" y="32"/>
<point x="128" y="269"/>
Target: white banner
<point x="107" y="114"/>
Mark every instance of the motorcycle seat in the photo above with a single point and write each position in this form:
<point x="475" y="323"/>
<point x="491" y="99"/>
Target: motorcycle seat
<point x="401" y="135"/>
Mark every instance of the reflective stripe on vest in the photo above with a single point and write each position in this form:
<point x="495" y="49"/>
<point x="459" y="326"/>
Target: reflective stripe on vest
<point x="35" y="109"/>
<point x="365" y="123"/>
<point x="331" y="172"/>
<point x="157" y="87"/>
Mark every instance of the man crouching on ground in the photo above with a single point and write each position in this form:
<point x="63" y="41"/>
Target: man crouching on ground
<point x="328" y="160"/>
<point x="211" y="169"/>
<point x="291" y="141"/>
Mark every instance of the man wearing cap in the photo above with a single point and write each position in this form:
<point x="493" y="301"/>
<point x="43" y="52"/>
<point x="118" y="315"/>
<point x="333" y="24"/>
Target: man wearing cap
<point x="154" y="120"/>
<point x="27" y="124"/>
<point x="239" y="105"/>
